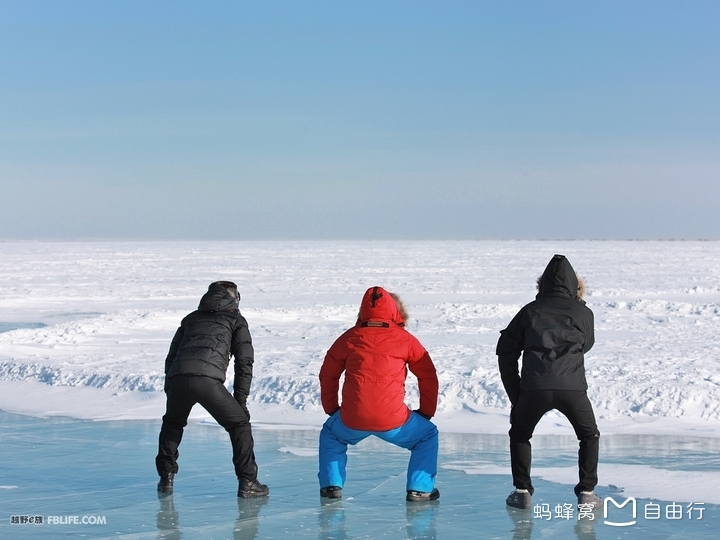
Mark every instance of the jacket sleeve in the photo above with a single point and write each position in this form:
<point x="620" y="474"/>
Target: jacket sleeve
<point x="589" y="332"/>
<point x="509" y="348"/>
<point x="174" y="345"/>
<point x="244" y="354"/>
<point x="330" y="372"/>
<point x="421" y="365"/>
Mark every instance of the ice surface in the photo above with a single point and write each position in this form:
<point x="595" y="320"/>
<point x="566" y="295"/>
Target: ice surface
<point x="7" y="327"/>
<point x="63" y="467"/>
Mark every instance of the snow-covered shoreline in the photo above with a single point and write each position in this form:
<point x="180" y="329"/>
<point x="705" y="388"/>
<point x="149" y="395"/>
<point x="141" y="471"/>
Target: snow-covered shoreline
<point x="111" y="308"/>
<point x="32" y="398"/>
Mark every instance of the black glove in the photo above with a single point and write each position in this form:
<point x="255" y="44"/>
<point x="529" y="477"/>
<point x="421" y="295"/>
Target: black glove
<point x="425" y="416"/>
<point x="336" y="410"/>
<point x="244" y="408"/>
<point x="514" y="395"/>
<point x="242" y="401"/>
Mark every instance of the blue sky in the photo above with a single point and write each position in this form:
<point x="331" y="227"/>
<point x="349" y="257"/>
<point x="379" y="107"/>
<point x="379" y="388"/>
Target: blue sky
<point x="238" y="120"/>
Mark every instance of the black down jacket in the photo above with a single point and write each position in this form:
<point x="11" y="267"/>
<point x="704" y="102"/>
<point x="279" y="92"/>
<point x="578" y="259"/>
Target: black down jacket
<point x="553" y="333"/>
<point x="206" y="339"/>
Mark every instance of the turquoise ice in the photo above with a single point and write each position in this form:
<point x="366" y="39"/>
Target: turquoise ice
<point x="67" y="471"/>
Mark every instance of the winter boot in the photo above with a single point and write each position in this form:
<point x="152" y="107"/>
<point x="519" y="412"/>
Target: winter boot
<point x="331" y="492"/>
<point x="165" y="485"/>
<point x="252" y="488"/>
<point x="520" y="498"/>
<point x="422" y="496"/>
<point x="589" y="498"/>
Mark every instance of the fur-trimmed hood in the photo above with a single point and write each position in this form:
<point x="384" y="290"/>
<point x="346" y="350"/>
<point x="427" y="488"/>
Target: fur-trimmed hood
<point x="221" y="296"/>
<point x="381" y="305"/>
<point x="560" y="279"/>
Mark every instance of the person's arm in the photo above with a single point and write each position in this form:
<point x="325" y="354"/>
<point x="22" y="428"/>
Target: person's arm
<point x="242" y="350"/>
<point x="330" y="372"/>
<point x="508" y="350"/>
<point x="174" y="345"/>
<point x="589" y="332"/>
<point x="421" y="365"/>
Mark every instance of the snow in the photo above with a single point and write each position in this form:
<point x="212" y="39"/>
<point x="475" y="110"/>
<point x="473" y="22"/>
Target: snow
<point x="85" y="327"/>
<point x="93" y="321"/>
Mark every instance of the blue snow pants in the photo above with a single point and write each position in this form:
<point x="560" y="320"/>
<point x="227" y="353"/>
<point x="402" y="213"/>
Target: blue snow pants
<point x="418" y="435"/>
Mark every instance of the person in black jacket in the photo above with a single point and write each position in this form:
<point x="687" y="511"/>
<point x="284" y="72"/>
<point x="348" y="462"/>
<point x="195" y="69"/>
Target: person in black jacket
<point x="553" y="333"/>
<point x="195" y="371"/>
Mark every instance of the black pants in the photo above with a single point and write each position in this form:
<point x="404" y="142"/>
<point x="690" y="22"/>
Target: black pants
<point x="184" y="391"/>
<point x="527" y="412"/>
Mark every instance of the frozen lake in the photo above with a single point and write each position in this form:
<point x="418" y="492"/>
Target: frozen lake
<point x="104" y="470"/>
<point x="85" y="327"/>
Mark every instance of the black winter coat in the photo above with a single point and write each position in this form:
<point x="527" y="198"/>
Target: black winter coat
<point x="206" y="339"/>
<point x="553" y="333"/>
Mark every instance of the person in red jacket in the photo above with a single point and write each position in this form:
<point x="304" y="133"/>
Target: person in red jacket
<point x="375" y="355"/>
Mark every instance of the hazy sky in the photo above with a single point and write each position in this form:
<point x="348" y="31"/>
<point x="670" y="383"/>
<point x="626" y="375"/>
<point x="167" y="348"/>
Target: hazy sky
<point x="298" y="119"/>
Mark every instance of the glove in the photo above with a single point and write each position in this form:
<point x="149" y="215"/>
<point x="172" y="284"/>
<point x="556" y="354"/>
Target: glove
<point x="336" y="410"/>
<point x="244" y="408"/>
<point x="425" y="416"/>
<point x="514" y="396"/>
<point x="243" y="404"/>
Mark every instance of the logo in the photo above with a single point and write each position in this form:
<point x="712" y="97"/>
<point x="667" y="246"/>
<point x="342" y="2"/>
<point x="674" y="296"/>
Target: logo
<point x="620" y="506"/>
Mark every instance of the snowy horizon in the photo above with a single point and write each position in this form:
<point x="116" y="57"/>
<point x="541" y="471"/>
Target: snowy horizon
<point x="99" y="317"/>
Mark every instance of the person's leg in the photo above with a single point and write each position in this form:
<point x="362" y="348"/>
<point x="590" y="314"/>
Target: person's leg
<point x="334" y="439"/>
<point x="179" y="404"/>
<point x="223" y="407"/>
<point x="576" y="406"/>
<point x="524" y="416"/>
<point x="420" y="436"/>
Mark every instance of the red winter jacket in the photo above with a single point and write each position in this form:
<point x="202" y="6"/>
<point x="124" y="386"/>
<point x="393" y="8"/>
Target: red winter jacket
<point x="375" y="355"/>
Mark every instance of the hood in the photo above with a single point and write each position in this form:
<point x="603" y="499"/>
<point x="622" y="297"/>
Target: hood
<point x="218" y="298"/>
<point x="558" y="279"/>
<point x="379" y="305"/>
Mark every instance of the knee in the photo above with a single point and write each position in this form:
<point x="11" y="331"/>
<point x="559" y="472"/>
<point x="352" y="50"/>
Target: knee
<point x="170" y="423"/>
<point x="432" y="432"/>
<point x="237" y="427"/>
<point x="519" y="436"/>
<point x="589" y="438"/>
<point x="326" y="435"/>
<point x="430" y="438"/>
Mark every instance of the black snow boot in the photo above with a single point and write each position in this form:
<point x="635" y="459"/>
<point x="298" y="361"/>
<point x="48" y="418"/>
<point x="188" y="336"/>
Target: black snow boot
<point x="520" y="498"/>
<point x="252" y="488"/>
<point x="165" y="485"/>
<point x="422" y="496"/>
<point x="331" y="492"/>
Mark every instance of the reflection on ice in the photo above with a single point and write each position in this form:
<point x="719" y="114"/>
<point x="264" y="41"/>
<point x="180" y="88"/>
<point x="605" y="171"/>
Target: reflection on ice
<point x="245" y="526"/>
<point x="420" y="520"/>
<point x="168" y="519"/>
<point x="73" y="468"/>
<point x="331" y="521"/>
<point x="663" y="467"/>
